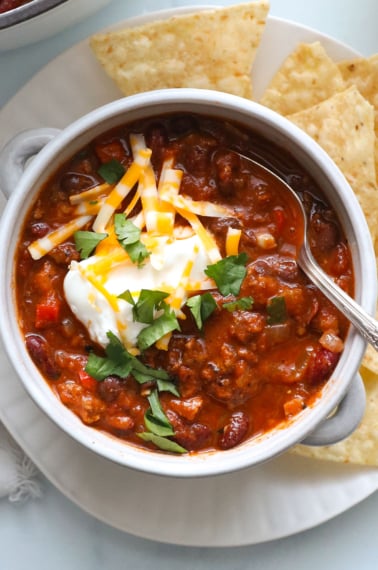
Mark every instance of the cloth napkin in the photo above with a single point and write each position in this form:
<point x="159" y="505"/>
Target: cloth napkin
<point x="18" y="475"/>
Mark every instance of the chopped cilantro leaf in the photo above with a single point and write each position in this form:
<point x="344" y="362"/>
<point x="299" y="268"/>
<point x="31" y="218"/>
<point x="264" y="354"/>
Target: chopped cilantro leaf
<point x="86" y="242"/>
<point x="276" y="309"/>
<point x="111" y="171"/>
<point x="128" y="235"/>
<point x="201" y="307"/>
<point x="162" y="443"/>
<point x="229" y="273"/>
<point x="167" y="322"/>
<point x="148" y="302"/>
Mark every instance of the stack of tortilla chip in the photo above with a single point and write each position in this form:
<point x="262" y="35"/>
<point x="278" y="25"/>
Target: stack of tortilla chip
<point x="335" y="103"/>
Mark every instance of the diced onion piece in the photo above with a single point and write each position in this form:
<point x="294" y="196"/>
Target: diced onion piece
<point x="122" y="189"/>
<point x="41" y="246"/>
<point x="266" y="240"/>
<point x="91" y="194"/>
<point x="331" y="342"/>
<point x="232" y="241"/>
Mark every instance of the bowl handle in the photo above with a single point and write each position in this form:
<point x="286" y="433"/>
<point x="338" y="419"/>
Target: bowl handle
<point x="345" y="419"/>
<point x="16" y="153"/>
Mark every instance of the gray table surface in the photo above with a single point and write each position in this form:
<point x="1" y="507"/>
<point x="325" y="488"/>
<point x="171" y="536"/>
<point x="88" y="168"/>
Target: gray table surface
<point x="53" y="533"/>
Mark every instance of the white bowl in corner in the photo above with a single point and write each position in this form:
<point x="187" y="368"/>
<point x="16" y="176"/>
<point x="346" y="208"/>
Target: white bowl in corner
<point x="40" y="19"/>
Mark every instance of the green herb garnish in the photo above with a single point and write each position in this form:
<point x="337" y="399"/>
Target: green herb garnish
<point x="162" y="443"/>
<point x="86" y="242"/>
<point x="128" y="235"/>
<point x="111" y="171"/>
<point x="148" y="302"/>
<point x="155" y="419"/>
<point x="242" y="304"/>
<point x="276" y="309"/>
<point x="166" y="323"/>
<point x="229" y="273"/>
<point x="159" y="428"/>
<point x="201" y="307"/>
<point x="120" y="362"/>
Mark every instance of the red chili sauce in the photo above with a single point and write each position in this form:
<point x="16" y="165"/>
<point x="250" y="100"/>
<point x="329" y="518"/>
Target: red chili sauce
<point x="248" y="370"/>
<point x="7" y="5"/>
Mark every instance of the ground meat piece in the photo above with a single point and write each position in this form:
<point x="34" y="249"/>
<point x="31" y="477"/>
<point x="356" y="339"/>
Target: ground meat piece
<point x="246" y="325"/>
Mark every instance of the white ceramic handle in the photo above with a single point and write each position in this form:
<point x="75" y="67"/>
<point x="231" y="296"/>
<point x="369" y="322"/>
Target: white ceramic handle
<point x="16" y="153"/>
<point x="345" y="420"/>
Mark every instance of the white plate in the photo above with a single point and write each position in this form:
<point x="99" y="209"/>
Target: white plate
<point x="280" y="498"/>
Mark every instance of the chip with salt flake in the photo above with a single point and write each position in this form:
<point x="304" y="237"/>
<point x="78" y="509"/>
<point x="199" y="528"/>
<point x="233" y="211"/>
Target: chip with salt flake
<point x="209" y="49"/>
<point x="363" y="73"/>
<point x="344" y="126"/>
<point x="360" y="448"/>
<point x="307" y="77"/>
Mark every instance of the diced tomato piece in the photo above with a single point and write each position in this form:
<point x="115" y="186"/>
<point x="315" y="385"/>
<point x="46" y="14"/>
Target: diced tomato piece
<point x="47" y="313"/>
<point x="87" y="381"/>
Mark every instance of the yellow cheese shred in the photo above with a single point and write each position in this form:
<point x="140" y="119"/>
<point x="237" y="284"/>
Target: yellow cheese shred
<point x="232" y="241"/>
<point x="41" y="246"/>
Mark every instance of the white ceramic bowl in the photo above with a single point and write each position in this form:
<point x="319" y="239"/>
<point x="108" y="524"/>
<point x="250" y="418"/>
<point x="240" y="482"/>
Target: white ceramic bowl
<point x="40" y="19"/>
<point x="345" y="385"/>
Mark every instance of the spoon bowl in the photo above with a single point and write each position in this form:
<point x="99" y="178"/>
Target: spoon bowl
<point x="366" y="325"/>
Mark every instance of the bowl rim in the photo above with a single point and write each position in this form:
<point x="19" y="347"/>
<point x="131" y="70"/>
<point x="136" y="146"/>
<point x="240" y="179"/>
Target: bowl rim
<point x="158" y="463"/>
<point x="27" y="11"/>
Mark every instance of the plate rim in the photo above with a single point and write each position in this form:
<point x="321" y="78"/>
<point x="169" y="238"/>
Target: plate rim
<point x="14" y="431"/>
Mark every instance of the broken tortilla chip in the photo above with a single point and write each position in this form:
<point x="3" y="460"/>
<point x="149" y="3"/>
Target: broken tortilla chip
<point x="361" y="447"/>
<point x="210" y="49"/>
<point x="363" y="73"/>
<point x="344" y="126"/>
<point x="307" y="77"/>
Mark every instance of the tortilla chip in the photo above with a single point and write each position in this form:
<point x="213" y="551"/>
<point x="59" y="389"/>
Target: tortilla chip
<point x="211" y="49"/>
<point x="307" y="77"/>
<point x="361" y="447"/>
<point x="344" y="126"/>
<point x="363" y="73"/>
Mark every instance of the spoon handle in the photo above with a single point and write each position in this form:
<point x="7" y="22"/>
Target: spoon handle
<point x="366" y="325"/>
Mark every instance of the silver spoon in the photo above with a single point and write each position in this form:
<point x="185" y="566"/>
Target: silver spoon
<point x="366" y="325"/>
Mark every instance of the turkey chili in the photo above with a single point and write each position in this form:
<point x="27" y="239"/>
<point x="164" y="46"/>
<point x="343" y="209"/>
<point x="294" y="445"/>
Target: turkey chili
<point x="158" y="290"/>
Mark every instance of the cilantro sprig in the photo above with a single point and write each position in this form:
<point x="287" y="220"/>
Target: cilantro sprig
<point x="201" y="307"/>
<point x="229" y="273"/>
<point x="128" y="235"/>
<point x="86" y="242"/>
<point x="120" y="362"/>
<point x="159" y="428"/>
<point x="148" y="302"/>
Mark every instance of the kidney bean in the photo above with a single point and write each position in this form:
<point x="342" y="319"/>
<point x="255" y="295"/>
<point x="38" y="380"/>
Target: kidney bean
<point x="234" y="431"/>
<point x="110" y="388"/>
<point x="42" y="355"/>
